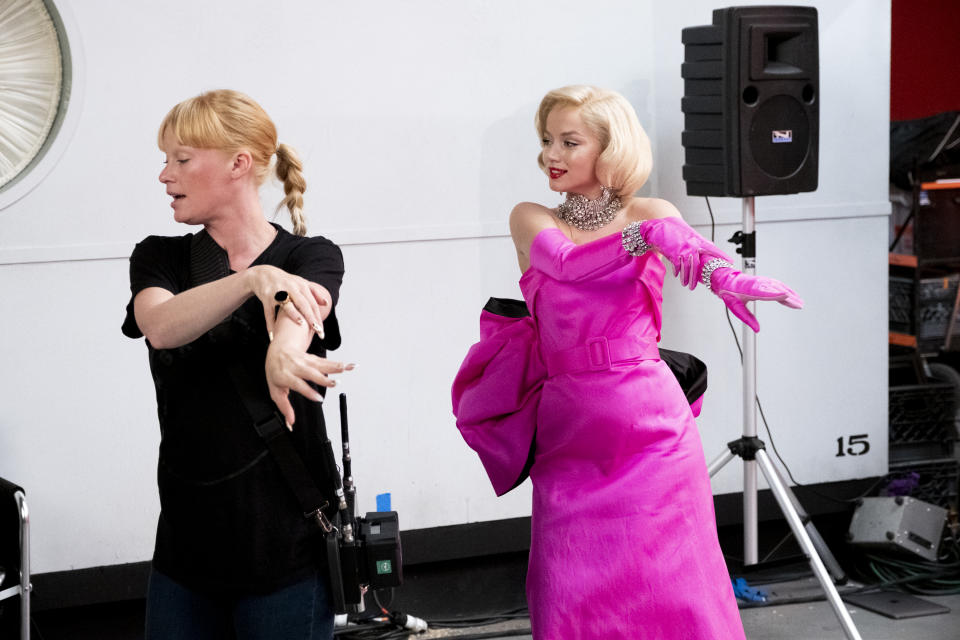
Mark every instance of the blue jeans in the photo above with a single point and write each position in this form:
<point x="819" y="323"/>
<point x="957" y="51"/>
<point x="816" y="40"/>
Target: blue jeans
<point x="302" y="611"/>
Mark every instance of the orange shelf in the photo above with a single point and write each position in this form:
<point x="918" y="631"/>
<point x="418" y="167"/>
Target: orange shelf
<point x="903" y="340"/>
<point x="948" y="183"/>
<point x="903" y="260"/>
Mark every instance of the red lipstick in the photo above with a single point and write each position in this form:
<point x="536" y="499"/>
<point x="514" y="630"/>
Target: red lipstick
<point x="556" y="173"/>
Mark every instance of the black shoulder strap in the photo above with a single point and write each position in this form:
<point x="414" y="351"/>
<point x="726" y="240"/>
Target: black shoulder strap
<point x="272" y="427"/>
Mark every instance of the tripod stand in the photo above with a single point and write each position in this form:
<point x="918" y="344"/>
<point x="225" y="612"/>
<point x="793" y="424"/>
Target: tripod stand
<point x="752" y="450"/>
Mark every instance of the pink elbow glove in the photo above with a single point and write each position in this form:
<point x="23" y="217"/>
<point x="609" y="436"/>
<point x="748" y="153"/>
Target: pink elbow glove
<point x="695" y="259"/>
<point x="687" y="250"/>
<point x="736" y="289"/>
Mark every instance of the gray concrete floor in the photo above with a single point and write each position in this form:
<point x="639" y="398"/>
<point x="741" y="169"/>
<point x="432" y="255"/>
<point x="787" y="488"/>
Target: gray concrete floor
<point x="800" y="621"/>
<point x="818" y="621"/>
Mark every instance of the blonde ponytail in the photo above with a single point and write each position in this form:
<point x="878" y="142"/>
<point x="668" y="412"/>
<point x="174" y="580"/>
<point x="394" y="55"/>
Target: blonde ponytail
<point x="290" y="172"/>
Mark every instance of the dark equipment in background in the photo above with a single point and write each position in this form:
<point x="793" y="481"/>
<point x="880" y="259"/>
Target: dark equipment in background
<point x="14" y="562"/>
<point x="930" y="143"/>
<point x="751" y="103"/>
<point x="362" y="553"/>
<point x="924" y="304"/>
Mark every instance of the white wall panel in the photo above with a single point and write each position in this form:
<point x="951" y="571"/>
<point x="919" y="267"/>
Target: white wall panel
<point x="414" y="121"/>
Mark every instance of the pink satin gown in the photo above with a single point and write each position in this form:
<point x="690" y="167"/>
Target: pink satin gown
<point x="624" y="540"/>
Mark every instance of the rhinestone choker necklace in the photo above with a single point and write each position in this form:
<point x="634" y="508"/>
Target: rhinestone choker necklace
<point x="589" y="215"/>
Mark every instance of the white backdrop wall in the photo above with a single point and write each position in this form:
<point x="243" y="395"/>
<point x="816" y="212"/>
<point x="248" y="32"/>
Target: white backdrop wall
<point x="414" y="121"/>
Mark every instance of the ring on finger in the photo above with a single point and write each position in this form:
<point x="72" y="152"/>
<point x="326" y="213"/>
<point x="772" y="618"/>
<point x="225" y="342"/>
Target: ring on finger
<point x="282" y="298"/>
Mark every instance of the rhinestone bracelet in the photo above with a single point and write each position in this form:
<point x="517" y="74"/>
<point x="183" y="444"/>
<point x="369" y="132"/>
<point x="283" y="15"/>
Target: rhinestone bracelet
<point x="632" y="240"/>
<point x="713" y="265"/>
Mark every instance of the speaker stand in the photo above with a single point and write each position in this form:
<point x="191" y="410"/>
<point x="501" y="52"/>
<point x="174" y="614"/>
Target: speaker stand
<point x="752" y="451"/>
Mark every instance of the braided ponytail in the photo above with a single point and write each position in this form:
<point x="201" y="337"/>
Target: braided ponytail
<point x="290" y="172"/>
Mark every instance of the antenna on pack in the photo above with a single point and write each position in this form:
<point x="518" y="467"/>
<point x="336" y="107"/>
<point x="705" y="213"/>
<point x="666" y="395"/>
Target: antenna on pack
<point x="349" y="490"/>
<point x="362" y="552"/>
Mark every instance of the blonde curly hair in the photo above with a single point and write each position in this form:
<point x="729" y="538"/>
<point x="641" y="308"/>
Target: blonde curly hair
<point x="625" y="159"/>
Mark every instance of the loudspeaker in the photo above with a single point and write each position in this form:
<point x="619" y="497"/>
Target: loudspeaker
<point x="750" y="104"/>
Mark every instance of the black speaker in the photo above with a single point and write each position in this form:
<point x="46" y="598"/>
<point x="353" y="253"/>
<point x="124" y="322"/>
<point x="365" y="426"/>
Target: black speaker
<point x="750" y="103"/>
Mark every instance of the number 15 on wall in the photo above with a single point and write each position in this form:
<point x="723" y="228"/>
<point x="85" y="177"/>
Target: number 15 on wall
<point x="857" y="445"/>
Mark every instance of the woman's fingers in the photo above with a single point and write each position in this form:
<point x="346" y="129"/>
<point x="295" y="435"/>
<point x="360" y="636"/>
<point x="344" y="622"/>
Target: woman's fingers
<point x="791" y="298"/>
<point x="300" y="299"/>
<point x="290" y="309"/>
<point x="299" y="308"/>
<point x="693" y="267"/>
<point x="775" y="290"/>
<point x="739" y="309"/>
<point x="309" y="368"/>
<point x="300" y="386"/>
<point x="304" y="305"/>
<point x="317" y="369"/>
<point x="287" y="373"/>
<point x="320" y="300"/>
<point x="320" y="293"/>
<point x="269" y="315"/>
<point x="793" y="301"/>
<point x="281" y="399"/>
<point x="316" y="319"/>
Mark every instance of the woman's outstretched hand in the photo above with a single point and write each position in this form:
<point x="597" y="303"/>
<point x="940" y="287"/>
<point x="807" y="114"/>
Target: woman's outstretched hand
<point x="736" y="289"/>
<point x="290" y="368"/>
<point x="304" y="301"/>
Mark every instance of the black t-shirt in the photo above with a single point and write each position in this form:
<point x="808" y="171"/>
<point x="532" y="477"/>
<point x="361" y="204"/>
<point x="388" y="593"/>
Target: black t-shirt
<point x="229" y="522"/>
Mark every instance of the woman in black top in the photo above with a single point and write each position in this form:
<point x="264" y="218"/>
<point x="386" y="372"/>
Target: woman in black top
<point x="241" y="303"/>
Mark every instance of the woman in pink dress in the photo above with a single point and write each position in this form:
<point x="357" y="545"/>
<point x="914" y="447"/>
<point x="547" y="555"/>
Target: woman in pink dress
<point x="624" y="540"/>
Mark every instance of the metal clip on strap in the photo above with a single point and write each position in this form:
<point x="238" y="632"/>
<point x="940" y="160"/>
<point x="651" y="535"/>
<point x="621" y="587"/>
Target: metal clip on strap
<point x="321" y="518"/>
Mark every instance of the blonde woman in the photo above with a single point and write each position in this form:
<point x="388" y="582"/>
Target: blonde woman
<point x="237" y="318"/>
<point x="624" y="540"/>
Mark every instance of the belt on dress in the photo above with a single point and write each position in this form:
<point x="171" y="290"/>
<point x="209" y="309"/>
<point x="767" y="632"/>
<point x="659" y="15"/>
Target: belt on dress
<point x="599" y="354"/>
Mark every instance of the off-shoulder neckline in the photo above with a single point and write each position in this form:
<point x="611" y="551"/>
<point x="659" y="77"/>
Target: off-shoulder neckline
<point x="606" y="238"/>
<point x="581" y="244"/>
